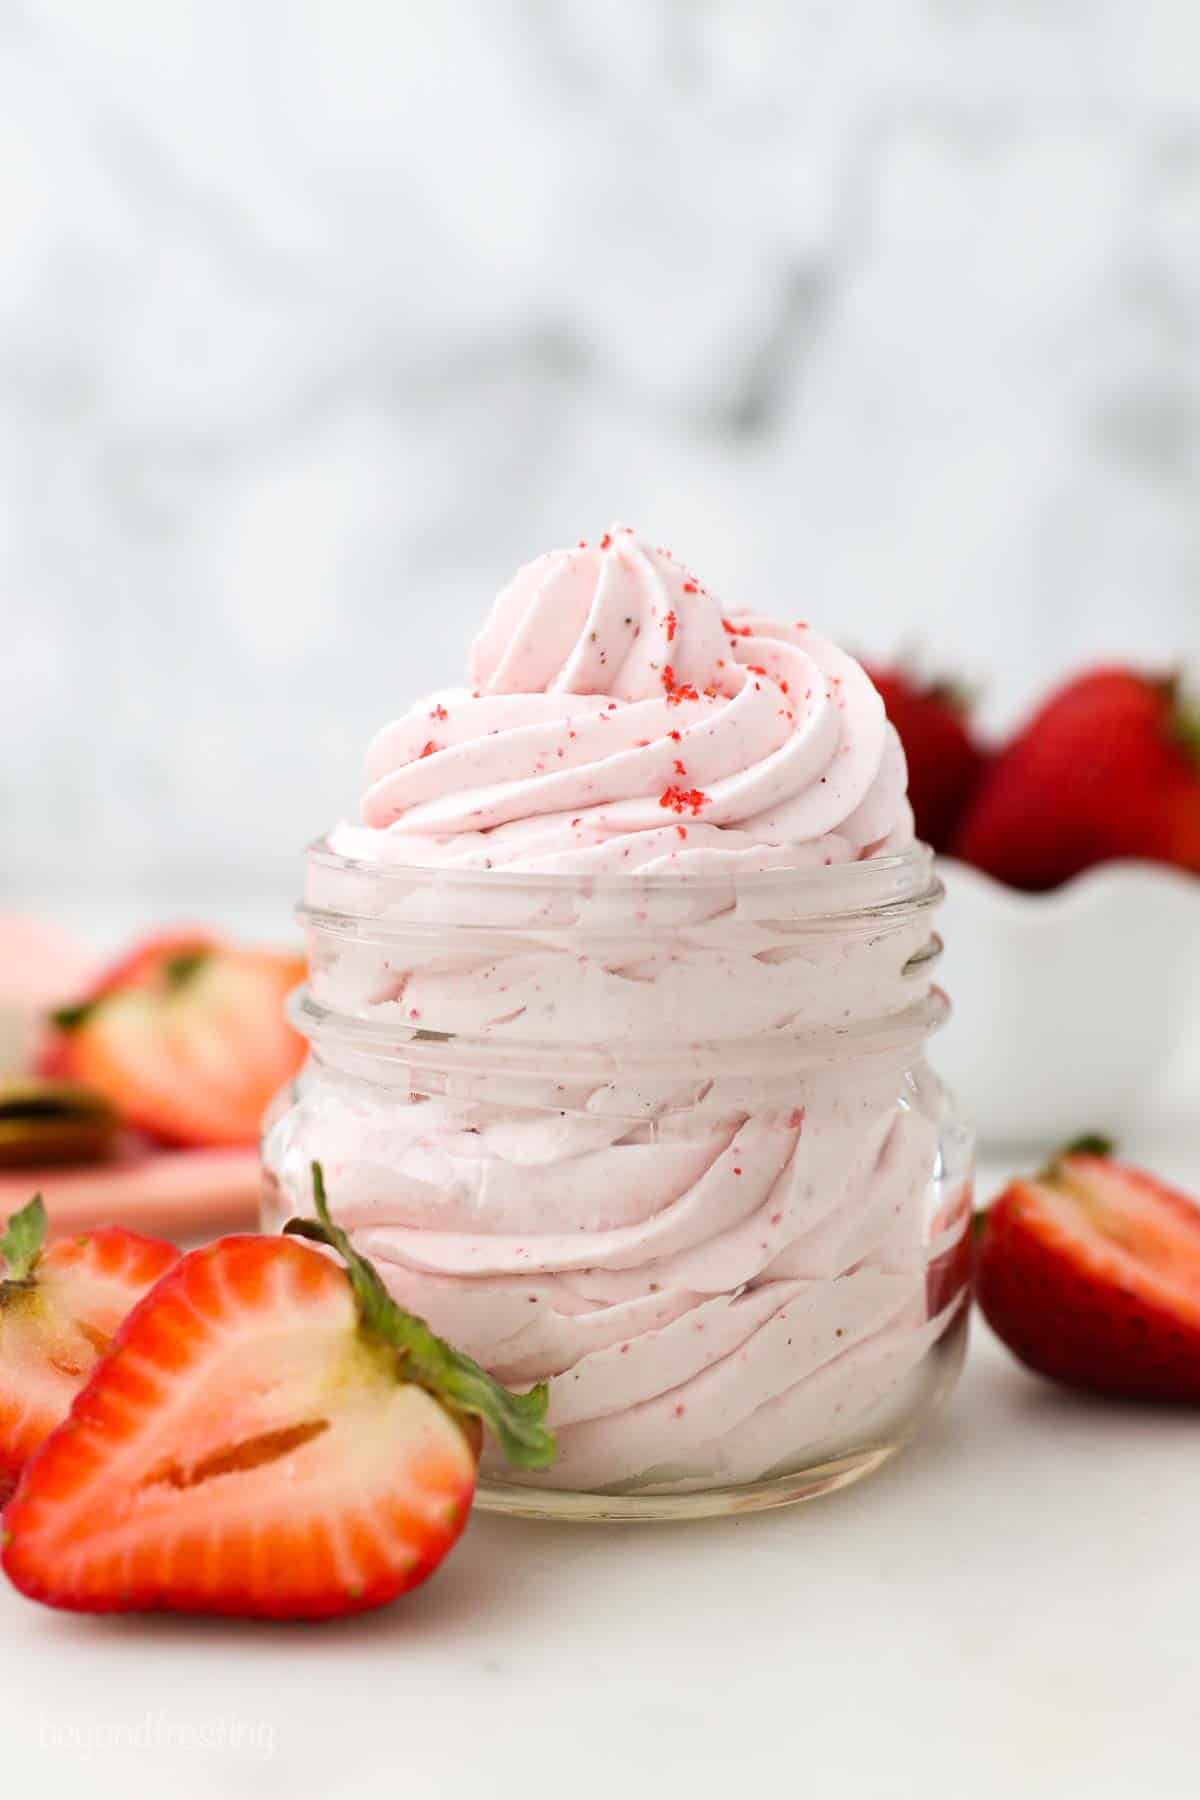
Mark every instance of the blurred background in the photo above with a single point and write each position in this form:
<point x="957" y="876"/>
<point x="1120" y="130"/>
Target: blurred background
<point x="316" y="319"/>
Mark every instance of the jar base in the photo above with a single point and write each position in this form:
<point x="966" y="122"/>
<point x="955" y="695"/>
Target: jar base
<point x="708" y="1503"/>
<point x="940" y="1374"/>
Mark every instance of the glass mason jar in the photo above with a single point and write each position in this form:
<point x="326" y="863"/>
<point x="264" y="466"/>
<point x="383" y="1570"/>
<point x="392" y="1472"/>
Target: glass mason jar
<point x="674" y="1145"/>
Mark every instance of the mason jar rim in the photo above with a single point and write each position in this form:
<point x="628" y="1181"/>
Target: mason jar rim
<point x="867" y="885"/>
<point x="396" y="911"/>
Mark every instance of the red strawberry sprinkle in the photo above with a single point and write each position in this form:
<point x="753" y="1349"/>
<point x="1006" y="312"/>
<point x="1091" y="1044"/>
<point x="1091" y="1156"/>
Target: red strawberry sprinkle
<point x="681" y="800"/>
<point x="677" y="692"/>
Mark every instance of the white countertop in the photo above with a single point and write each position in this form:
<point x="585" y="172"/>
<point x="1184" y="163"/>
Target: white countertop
<point x="1008" y="1609"/>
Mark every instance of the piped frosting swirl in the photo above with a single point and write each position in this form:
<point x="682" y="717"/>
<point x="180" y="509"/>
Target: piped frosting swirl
<point x="619" y="718"/>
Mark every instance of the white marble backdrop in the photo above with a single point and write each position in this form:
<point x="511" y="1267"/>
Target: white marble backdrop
<point x="316" y="318"/>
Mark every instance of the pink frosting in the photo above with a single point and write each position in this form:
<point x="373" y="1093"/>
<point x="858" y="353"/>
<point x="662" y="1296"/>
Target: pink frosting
<point x="620" y="719"/>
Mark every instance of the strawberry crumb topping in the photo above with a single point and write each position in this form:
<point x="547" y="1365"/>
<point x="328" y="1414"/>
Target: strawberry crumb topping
<point x="429" y="749"/>
<point x="681" y="800"/>
<point x="677" y="691"/>
<point x="672" y="625"/>
<point x="737" y="630"/>
<point x="439" y="712"/>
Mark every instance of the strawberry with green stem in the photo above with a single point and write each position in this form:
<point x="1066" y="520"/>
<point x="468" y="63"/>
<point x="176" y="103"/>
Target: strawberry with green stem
<point x="272" y="1436"/>
<point x="60" y="1309"/>
<point x="186" y="1039"/>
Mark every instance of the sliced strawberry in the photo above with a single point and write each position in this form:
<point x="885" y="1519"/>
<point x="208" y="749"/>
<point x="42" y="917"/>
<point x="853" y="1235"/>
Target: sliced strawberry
<point x="145" y="965"/>
<point x="1091" y="1273"/>
<point x="147" y="961"/>
<point x="271" y="1436"/>
<point x="194" y="1044"/>
<point x="59" y="1311"/>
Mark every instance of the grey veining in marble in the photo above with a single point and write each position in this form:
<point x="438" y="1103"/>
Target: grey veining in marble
<point x="314" y="319"/>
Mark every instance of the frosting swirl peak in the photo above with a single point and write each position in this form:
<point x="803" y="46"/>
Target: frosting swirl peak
<point x="619" y="718"/>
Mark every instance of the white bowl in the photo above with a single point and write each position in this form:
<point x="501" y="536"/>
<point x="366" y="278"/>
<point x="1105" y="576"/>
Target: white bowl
<point x="1077" y="1010"/>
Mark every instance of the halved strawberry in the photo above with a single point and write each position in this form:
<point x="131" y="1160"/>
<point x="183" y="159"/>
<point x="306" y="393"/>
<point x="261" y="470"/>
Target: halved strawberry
<point x="59" y="1311"/>
<point x="1090" y="1272"/>
<point x="191" y="1044"/>
<point x="271" y="1436"/>
<point x="144" y="963"/>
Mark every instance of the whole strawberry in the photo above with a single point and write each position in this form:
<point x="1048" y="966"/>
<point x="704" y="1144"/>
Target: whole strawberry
<point x="1109" y="768"/>
<point x="945" y="763"/>
<point x="1090" y="1273"/>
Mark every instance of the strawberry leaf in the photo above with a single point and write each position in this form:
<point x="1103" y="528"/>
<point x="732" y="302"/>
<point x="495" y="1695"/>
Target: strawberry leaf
<point x="516" y="1420"/>
<point x="1091" y="1143"/>
<point x="72" y="1018"/>
<point x="1185" y="722"/>
<point x="22" y="1242"/>
<point x="181" y="969"/>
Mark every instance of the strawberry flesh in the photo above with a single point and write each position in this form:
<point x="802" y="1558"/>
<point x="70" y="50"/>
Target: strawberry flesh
<point x="1091" y="1275"/>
